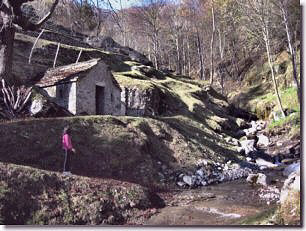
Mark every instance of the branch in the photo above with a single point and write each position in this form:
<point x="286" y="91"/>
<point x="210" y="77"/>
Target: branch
<point x="40" y="34"/>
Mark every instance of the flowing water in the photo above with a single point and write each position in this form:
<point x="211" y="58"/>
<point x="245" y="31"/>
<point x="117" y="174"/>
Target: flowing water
<point x="220" y="204"/>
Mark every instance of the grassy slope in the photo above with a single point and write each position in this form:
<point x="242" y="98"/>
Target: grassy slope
<point x="31" y="196"/>
<point x="258" y="95"/>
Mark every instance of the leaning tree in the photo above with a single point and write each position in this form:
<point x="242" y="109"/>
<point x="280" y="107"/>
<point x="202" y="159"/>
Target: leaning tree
<point x="12" y="18"/>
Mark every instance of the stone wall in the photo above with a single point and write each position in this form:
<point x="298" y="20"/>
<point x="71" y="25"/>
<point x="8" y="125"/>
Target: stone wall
<point x="63" y="95"/>
<point x="137" y="102"/>
<point x="86" y="91"/>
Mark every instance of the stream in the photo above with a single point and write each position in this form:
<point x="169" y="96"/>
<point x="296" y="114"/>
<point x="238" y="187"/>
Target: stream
<point x="220" y="204"/>
<point x="231" y="202"/>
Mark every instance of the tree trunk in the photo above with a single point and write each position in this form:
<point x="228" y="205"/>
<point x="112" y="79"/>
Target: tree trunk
<point x="179" y="66"/>
<point x="201" y="60"/>
<point x="188" y="56"/>
<point x="221" y="50"/>
<point x="267" y="42"/>
<point x="292" y="53"/>
<point x="184" y="58"/>
<point x="7" y="34"/>
<point x="212" y="46"/>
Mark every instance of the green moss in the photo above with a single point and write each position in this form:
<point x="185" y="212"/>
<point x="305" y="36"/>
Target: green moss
<point x="132" y="63"/>
<point x="292" y="121"/>
<point x="133" y="80"/>
<point x="262" y="218"/>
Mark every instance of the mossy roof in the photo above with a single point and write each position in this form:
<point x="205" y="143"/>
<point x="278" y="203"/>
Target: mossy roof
<point x="69" y="73"/>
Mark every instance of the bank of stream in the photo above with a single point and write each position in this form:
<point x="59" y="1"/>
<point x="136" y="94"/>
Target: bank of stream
<point x="228" y="203"/>
<point x="234" y="202"/>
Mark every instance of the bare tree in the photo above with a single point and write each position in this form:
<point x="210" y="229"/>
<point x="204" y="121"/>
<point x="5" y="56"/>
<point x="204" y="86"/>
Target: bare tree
<point x="12" y="18"/>
<point x="149" y="15"/>
<point x="260" y="19"/>
<point x="212" y="41"/>
<point x="283" y="6"/>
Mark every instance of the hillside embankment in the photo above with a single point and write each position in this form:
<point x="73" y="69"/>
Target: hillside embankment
<point x="124" y="164"/>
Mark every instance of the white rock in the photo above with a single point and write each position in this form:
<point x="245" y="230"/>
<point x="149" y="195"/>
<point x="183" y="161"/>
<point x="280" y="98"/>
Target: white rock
<point x="296" y="184"/>
<point x="235" y="166"/>
<point x="291" y="183"/>
<point x="200" y="172"/>
<point x="262" y="162"/>
<point x="263" y="167"/>
<point x="262" y="179"/>
<point x="240" y="149"/>
<point x="228" y="139"/>
<point x="278" y="144"/>
<point x="263" y="140"/>
<point x="248" y="146"/>
<point x="235" y="142"/>
<point x="252" y="178"/>
<point x="259" y="178"/>
<point x="36" y="106"/>
<point x="181" y="184"/>
<point x="291" y="168"/>
<point x="188" y="180"/>
<point x="253" y="123"/>
<point x="203" y="182"/>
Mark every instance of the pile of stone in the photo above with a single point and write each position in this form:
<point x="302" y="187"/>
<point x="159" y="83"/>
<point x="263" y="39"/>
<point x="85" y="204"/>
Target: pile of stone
<point x="252" y="138"/>
<point x="211" y="173"/>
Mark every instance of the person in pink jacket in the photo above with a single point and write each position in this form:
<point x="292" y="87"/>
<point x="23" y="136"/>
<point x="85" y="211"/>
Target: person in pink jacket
<point x="68" y="150"/>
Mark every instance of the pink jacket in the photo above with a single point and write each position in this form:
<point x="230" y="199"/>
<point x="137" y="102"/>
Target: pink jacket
<point x="66" y="141"/>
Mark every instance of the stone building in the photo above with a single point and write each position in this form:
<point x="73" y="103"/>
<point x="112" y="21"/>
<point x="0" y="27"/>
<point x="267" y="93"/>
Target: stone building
<point x="83" y="88"/>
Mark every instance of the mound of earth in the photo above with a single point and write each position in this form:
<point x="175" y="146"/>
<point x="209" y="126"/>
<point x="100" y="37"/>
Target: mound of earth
<point x="31" y="196"/>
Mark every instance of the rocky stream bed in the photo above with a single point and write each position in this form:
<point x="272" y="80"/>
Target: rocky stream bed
<point x="229" y="194"/>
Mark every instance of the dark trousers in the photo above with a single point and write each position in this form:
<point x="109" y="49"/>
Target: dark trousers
<point x="67" y="162"/>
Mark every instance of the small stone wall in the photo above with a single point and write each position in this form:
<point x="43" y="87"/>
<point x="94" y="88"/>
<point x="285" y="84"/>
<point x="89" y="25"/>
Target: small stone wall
<point x="63" y="95"/>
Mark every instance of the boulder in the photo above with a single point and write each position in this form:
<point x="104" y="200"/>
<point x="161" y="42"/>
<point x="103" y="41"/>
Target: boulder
<point x="260" y="125"/>
<point x="264" y="163"/>
<point x="290" y="197"/>
<point x="36" y="106"/>
<point x="259" y="179"/>
<point x="248" y="146"/>
<point x="250" y="131"/>
<point x="180" y="183"/>
<point x="104" y="42"/>
<point x="263" y="140"/>
<point x="41" y="106"/>
<point x="200" y="172"/>
<point x="107" y="43"/>
<point x="262" y="179"/>
<point x="252" y="178"/>
<point x="136" y="56"/>
<point x="188" y="180"/>
<point x="149" y="71"/>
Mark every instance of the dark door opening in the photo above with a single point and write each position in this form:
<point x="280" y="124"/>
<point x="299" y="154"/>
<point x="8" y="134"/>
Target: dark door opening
<point x="100" y="100"/>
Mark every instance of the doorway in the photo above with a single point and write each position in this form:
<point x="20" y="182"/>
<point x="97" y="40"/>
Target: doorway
<point x="100" y="98"/>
